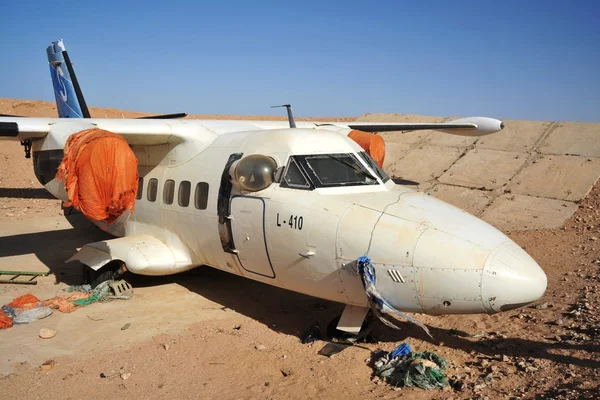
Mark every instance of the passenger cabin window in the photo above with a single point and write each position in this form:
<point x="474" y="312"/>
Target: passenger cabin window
<point x="152" y="189"/>
<point x="294" y="177"/>
<point x="201" y="196"/>
<point x="183" y="195"/>
<point x="140" y="191"/>
<point x="169" y="191"/>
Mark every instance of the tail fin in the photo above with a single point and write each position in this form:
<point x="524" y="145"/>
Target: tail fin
<point x="69" y="99"/>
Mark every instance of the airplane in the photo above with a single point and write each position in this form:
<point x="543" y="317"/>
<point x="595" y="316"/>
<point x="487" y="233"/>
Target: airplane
<point x="294" y="204"/>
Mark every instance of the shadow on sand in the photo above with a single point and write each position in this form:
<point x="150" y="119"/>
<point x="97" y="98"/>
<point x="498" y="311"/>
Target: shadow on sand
<point x="281" y="310"/>
<point x="25" y="193"/>
<point x="54" y="247"/>
<point x="292" y="313"/>
<point x="405" y="182"/>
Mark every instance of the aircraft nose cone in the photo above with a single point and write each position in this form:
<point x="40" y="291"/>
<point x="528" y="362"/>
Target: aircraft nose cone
<point x="511" y="279"/>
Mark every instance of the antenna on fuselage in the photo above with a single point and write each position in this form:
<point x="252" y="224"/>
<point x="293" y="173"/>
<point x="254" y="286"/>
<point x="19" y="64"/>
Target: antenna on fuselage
<point x="289" y="114"/>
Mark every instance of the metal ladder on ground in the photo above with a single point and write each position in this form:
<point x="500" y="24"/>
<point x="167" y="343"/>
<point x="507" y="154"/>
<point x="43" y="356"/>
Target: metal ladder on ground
<point x="27" y="277"/>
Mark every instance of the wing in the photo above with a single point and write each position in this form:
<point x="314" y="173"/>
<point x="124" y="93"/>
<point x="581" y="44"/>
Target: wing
<point x="472" y="126"/>
<point x="135" y="131"/>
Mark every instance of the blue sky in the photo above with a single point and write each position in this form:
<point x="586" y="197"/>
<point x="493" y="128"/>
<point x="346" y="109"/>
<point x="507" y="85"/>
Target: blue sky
<point x="504" y="59"/>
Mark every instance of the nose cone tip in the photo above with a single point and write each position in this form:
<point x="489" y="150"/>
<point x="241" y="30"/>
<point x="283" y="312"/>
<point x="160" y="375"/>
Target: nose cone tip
<point x="511" y="279"/>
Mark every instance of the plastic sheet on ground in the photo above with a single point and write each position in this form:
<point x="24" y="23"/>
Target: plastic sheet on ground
<point x="29" y="316"/>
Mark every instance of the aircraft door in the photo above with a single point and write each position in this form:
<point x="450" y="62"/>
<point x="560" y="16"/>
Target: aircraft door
<point x="248" y="232"/>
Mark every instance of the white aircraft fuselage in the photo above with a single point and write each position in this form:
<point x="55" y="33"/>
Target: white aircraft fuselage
<point x="304" y="231"/>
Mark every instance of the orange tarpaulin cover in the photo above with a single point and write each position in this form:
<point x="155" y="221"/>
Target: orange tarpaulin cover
<point x="372" y="143"/>
<point x="100" y="174"/>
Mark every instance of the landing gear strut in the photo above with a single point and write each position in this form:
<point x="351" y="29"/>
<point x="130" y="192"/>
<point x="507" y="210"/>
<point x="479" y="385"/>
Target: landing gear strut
<point x="111" y="271"/>
<point x="352" y="326"/>
<point x="27" y="145"/>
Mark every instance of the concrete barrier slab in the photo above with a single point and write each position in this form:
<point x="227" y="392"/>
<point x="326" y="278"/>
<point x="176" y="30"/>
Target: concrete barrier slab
<point x="558" y="177"/>
<point x="393" y="153"/>
<point x="511" y="212"/>
<point x="576" y="138"/>
<point x="487" y="169"/>
<point x="517" y="136"/>
<point x="404" y="137"/>
<point x="424" y="163"/>
<point x="471" y="200"/>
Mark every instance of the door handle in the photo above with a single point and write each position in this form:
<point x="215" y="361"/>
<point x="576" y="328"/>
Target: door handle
<point x="307" y="254"/>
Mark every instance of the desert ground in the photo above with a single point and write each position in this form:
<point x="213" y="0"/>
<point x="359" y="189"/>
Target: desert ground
<point x="209" y="334"/>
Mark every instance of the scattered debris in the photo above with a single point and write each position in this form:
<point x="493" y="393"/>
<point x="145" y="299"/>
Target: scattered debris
<point x="402" y="367"/>
<point x="457" y="332"/>
<point x="5" y="320"/>
<point x="312" y="334"/>
<point x="126" y="326"/>
<point x="28" y="308"/>
<point x="165" y="346"/>
<point x="48" y="365"/>
<point x="125" y="375"/>
<point x="286" y="372"/>
<point x="237" y="327"/>
<point x="331" y="349"/>
<point x="47" y="333"/>
<point x="260" y="347"/>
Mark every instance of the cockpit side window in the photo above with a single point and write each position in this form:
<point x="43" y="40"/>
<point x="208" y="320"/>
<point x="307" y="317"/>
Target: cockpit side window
<point x="294" y="177"/>
<point x="371" y="163"/>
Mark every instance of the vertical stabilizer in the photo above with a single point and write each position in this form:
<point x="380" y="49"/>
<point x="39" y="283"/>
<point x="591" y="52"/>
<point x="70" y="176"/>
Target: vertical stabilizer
<point x="69" y="99"/>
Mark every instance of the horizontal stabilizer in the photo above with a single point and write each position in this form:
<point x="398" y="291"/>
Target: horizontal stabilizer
<point x="165" y="116"/>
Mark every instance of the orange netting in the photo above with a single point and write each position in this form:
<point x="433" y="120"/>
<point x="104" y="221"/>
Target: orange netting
<point x="64" y="303"/>
<point x="5" y="321"/>
<point x="100" y="174"/>
<point x="372" y="143"/>
<point x="27" y="301"/>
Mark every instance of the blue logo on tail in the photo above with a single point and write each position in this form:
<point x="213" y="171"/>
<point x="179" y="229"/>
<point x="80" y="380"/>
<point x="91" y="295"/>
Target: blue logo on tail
<point x="64" y="91"/>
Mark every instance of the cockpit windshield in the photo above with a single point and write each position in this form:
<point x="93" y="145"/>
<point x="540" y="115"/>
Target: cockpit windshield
<point x="384" y="177"/>
<point x="328" y="170"/>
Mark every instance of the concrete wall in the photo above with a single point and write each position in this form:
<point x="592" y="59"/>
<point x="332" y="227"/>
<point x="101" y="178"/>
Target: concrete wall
<point x="530" y="175"/>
